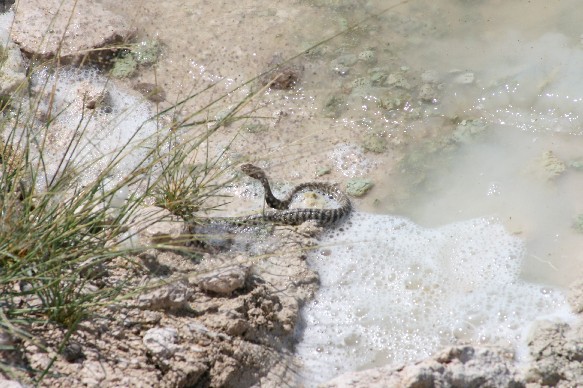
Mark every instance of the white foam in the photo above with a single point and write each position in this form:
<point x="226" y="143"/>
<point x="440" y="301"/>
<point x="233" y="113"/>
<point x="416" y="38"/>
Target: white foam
<point x="350" y="160"/>
<point x="392" y="291"/>
<point x="124" y="120"/>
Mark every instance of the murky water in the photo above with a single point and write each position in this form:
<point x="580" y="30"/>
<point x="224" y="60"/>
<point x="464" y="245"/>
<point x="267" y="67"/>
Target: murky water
<point x="467" y="115"/>
<point x="506" y="143"/>
<point x="515" y="148"/>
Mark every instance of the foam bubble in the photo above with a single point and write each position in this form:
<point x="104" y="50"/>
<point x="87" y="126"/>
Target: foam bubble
<point x="350" y="160"/>
<point x="100" y="117"/>
<point x="392" y="292"/>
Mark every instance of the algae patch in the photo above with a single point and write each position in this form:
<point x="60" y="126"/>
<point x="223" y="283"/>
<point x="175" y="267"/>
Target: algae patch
<point x="358" y="187"/>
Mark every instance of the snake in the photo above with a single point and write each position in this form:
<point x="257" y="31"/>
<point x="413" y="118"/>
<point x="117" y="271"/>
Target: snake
<point x="281" y="213"/>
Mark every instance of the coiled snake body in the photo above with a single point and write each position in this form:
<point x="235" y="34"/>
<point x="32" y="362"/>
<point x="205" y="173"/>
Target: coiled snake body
<point x="283" y="215"/>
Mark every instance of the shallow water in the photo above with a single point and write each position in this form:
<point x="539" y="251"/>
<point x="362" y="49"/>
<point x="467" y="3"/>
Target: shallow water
<point x="507" y="145"/>
<point x="476" y="112"/>
<point x="524" y="103"/>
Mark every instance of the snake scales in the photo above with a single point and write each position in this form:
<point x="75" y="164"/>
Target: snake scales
<point x="282" y="214"/>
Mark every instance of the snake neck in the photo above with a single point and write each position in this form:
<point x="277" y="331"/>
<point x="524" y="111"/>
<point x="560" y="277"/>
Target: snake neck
<point x="272" y="201"/>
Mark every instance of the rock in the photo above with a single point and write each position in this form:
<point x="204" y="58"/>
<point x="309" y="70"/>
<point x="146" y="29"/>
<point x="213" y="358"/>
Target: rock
<point x="12" y="72"/>
<point x="367" y="56"/>
<point x="223" y="281"/>
<point x="169" y="297"/>
<point x="358" y="187"/>
<point x="334" y="107"/>
<point x="76" y="27"/>
<point x="312" y="200"/>
<point x="124" y="67"/>
<point x="374" y="143"/>
<point x="394" y="101"/>
<point x="282" y="75"/>
<point x="467" y="130"/>
<point x="398" y="80"/>
<point x="161" y="341"/>
<point x="73" y="351"/>
<point x="428" y="93"/>
<point x="183" y="374"/>
<point x="225" y="324"/>
<point x="552" y="165"/>
<point x="377" y="77"/>
<point x="147" y="52"/>
<point x="557" y="354"/>
<point x="93" y="373"/>
<point x="144" y="53"/>
<point x="361" y="82"/>
<point x="458" y="366"/>
<point x="204" y="330"/>
<point x="323" y="171"/>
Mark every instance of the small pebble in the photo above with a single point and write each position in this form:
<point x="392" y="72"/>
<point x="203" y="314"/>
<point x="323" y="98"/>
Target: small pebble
<point x="224" y="281"/>
<point x="161" y="341"/>
<point x="374" y="143"/>
<point x="398" y="79"/>
<point x="361" y="82"/>
<point x="427" y="93"/>
<point x="464" y="78"/>
<point x="152" y="92"/>
<point x="73" y="351"/>
<point x="358" y="187"/>
<point x="367" y="56"/>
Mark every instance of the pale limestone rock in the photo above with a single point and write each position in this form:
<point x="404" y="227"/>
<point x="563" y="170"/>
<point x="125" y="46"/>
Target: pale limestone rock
<point x="43" y="27"/>
<point x="458" y="366"/>
<point x="183" y="374"/>
<point x="223" y="281"/>
<point x="557" y="354"/>
<point x="12" y="72"/>
<point x="93" y="373"/>
<point x="169" y="297"/>
<point x="161" y="341"/>
<point x="428" y="93"/>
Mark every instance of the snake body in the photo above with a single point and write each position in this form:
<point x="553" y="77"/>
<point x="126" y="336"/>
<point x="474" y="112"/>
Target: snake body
<point x="282" y="214"/>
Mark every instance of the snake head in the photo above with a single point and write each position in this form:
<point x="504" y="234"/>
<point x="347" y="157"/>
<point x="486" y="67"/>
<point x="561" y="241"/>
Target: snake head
<point x="252" y="171"/>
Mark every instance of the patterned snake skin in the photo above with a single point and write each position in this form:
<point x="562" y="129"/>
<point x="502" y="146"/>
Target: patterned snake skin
<point x="285" y="216"/>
